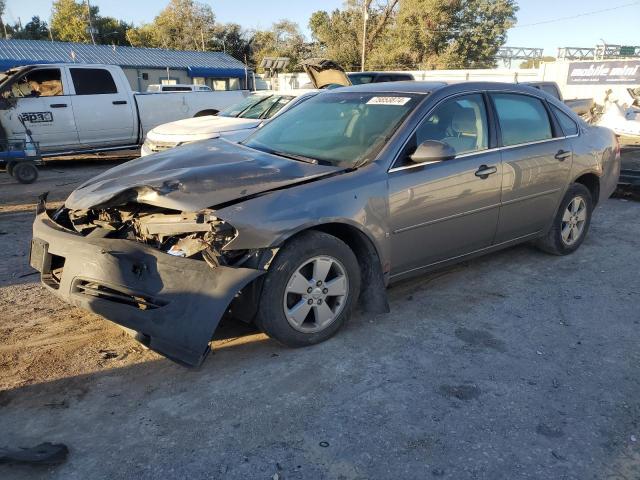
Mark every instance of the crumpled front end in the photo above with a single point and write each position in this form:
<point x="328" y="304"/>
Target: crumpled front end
<point x="161" y="273"/>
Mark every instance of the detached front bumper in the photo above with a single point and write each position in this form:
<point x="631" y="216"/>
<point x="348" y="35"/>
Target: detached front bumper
<point x="176" y="302"/>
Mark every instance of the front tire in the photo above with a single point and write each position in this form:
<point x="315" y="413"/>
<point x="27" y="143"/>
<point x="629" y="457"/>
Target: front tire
<point x="310" y="290"/>
<point x="571" y="222"/>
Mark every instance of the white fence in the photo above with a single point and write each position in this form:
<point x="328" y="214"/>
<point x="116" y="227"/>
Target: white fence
<point x="554" y="72"/>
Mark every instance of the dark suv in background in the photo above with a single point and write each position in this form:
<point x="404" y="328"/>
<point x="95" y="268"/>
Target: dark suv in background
<point x="361" y="78"/>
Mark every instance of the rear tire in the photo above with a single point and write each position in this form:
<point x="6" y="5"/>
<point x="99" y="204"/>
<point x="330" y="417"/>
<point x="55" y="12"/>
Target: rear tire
<point x="310" y="290"/>
<point x="25" y="173"/>
<point x="570" y="224"/>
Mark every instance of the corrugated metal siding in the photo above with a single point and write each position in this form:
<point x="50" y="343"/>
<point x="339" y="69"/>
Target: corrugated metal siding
<point x="38" y="51"/>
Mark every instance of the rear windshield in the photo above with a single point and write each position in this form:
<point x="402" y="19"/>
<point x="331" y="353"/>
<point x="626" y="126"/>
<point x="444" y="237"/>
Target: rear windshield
<point x="342" y="129"/>
<point x="360" y="79"/>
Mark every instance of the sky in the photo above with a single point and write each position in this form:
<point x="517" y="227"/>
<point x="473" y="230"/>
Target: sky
<point x="615" y="26"/>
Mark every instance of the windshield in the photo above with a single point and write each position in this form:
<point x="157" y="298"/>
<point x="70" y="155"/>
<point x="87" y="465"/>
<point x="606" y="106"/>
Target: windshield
<point x="237" y="108"/>
<point x="343" y="129"/>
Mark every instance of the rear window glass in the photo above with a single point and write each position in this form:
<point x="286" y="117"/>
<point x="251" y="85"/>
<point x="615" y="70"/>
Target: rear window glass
<point x="568" y="125"/>
<point x="92" y="81"/>
<point x="522" y="119"/>
<point x="551" y="90"/>
<point x="360" y="79"/>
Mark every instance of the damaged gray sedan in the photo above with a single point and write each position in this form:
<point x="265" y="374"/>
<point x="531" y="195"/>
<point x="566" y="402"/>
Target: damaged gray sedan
<point x="321" y="209"/>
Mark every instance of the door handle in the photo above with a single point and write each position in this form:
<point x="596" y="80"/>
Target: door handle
<point x="119" y="102"/>
<point x="484" y="171"/>
<point x="58" y="105"/>
<point x="562" y="154"/>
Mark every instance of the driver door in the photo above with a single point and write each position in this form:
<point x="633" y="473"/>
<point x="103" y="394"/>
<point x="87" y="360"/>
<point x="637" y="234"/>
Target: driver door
<point x="39" y="98"/>
<point x="442" y="210"/>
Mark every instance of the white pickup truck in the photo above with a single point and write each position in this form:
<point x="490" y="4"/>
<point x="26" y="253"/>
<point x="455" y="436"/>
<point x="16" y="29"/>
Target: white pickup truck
<point x="73" y="108"/>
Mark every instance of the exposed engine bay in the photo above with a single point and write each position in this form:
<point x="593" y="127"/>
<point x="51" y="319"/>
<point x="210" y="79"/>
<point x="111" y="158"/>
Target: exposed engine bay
<point x="196" y="235"/>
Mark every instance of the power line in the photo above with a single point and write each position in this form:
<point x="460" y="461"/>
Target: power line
<point x="571" y="17"/>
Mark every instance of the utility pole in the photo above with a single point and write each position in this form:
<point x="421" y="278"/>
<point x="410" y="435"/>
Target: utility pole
<point x="365" y="17"/>
<point x="93" y="40"/>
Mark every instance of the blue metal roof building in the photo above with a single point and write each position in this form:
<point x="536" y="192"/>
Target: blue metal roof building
<point x="209" y="65"/>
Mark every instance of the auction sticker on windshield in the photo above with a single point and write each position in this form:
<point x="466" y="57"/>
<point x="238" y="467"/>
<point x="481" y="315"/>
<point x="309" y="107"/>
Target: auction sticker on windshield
<point x="388" y="100"/>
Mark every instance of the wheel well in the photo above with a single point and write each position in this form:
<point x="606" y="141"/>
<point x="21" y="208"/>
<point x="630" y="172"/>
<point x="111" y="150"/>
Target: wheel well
<point x="205" y="113"/>
<point x="373" y="295"/>
<point x="592" y="182"/>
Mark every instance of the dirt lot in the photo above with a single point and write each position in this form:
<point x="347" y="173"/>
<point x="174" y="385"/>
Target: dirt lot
<point x="517" y="365"/>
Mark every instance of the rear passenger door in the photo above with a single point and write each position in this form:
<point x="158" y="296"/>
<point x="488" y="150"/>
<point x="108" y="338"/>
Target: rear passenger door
<point x="102" y="107"/>
<point x="536" y="161"/>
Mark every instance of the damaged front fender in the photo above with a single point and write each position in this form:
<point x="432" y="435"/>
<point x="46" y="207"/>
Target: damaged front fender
<point x="176" y="302"/>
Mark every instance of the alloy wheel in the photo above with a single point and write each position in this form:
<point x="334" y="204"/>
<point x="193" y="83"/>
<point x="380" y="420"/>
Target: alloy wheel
<point x="574" y="220"/>
<point x="315" y="294"/>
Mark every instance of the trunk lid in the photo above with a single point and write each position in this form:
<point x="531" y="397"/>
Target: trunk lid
<point x="324" y="73"/>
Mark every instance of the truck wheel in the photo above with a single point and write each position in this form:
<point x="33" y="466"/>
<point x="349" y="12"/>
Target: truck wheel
<point x="25" y="172"/>
<point x="310" y="290"/>
<point x="571" y="223"/>
<point x="10" y="166"/>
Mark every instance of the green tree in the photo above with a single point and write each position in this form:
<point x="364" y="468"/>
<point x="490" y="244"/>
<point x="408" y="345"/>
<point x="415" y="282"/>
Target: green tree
<point x="110" y="30"/>
<point x="36" y="29"/>
<point x="181" y="25"/>
<point x="142" y="36"/>
<point x="232" y="39"/>
<point x="338" y="35"/>
<point x="480" y="30"/>
<point x="283" y="39"/>
<point x="3" y="5"/>
<point x="416" y="33"/>
<point x="70" y="21"/>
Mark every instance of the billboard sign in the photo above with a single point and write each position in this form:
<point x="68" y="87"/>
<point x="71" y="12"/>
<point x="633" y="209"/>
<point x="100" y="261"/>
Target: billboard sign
<point x="604" y="73"/>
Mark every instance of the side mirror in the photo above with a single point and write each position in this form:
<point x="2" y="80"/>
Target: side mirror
<point x="432" y="151"/>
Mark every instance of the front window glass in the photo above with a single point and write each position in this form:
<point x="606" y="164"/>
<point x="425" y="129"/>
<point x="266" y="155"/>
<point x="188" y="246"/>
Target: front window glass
<point x="345" y="129"/>
<point x="460" y="122"/>
<point x="45" y="82"/>
<point x="237" y="108"/>
<point x="522" y="118"/>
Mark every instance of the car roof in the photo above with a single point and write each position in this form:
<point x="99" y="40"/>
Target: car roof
<point x="422" y="87"/>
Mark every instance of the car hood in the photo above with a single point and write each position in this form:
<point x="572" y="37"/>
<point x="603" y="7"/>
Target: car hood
<point x="207" y="125"/>
<point x="193" y="177"/>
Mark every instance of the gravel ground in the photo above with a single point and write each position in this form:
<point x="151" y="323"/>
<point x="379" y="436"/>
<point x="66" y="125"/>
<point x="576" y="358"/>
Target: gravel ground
<point x="515" y="365"/>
